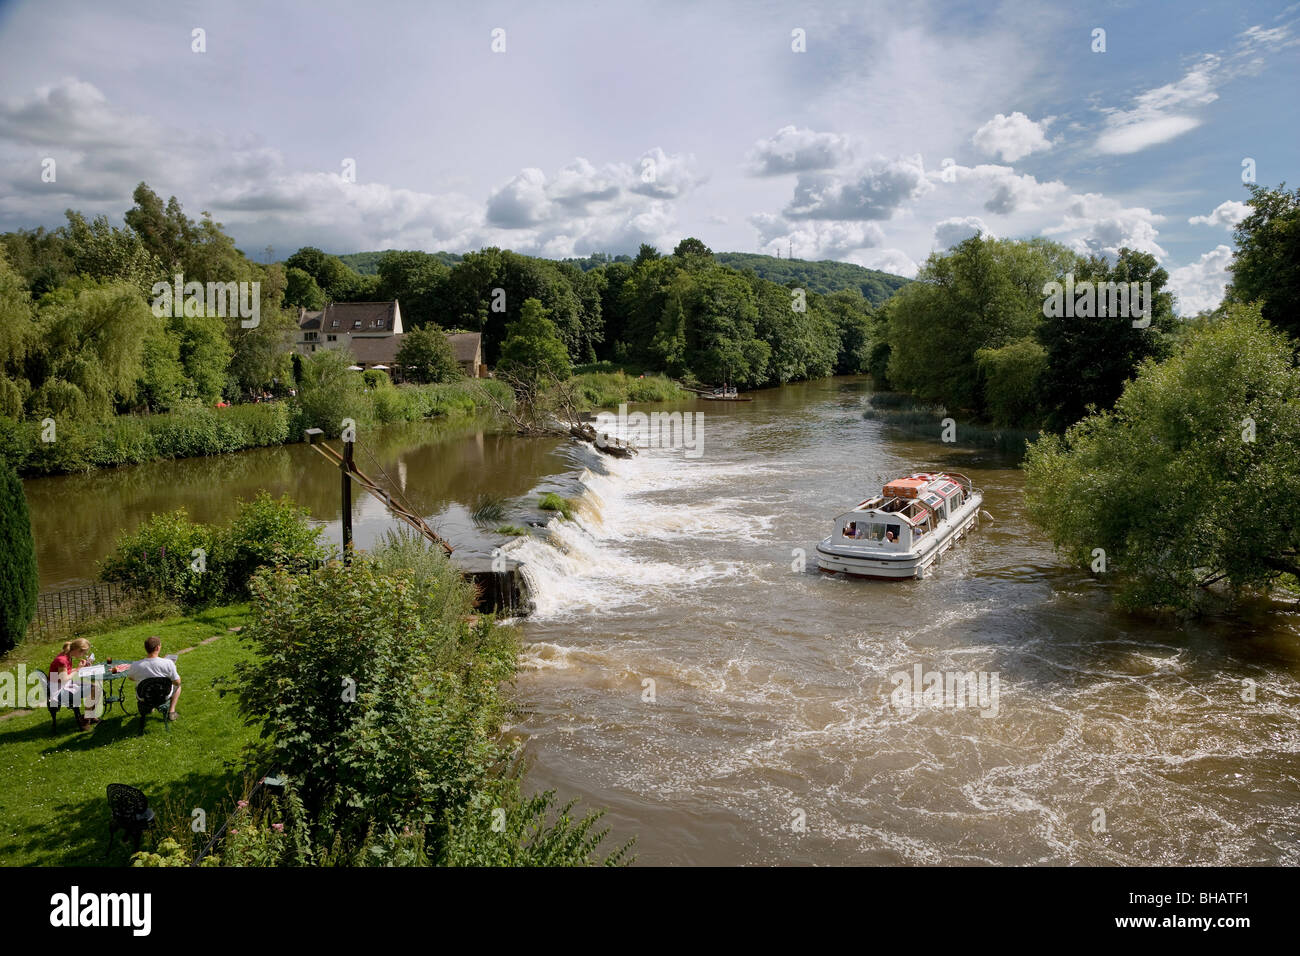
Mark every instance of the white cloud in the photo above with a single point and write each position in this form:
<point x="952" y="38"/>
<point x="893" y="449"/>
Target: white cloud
<point x="1226" y="214"/>
<point x="520" y="202"/>
<point x="1200" y="285"/>
<point x="1165" y="112"/>
<point x="1007" y="191"/>
<point x="1158" y="115"/>
<point x="876" y="191"/>
<point x="950" y="232"/>
<point x="1011" y="137"/>
<point x="889" y="260"/>
<point x="665" y="175"/>
<point x="813" y="239"/>
<point x="794" y="150"/>
<point x="1098" y="225"/>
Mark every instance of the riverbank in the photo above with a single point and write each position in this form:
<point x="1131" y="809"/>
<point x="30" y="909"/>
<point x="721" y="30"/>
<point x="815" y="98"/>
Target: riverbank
<point x="70" y="446"/>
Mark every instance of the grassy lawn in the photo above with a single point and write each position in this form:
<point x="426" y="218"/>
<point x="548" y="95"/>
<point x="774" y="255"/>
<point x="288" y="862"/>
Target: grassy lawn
<point x="53" y="811"/>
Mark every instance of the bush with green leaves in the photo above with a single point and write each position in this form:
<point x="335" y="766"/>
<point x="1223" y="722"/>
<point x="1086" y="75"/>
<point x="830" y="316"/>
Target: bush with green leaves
<point x="380" y="698"/>
<point x="1192" y="479"/>
<point x="18" y="577"/>
<point x="427" y="356"/>
<point x="330" y="392"/>
<point x="168" y="556"/>
<point x="266" y="532"/>
<point x="192" y="564"/>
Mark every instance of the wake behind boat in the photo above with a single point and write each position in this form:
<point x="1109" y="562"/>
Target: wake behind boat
<point x="902" y="531"/>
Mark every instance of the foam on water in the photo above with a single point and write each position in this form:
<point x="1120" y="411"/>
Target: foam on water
<point x="581" y="566"/>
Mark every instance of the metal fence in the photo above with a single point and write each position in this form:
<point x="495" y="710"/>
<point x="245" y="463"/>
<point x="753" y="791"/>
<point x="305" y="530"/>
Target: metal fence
<point x="61" y="608"/>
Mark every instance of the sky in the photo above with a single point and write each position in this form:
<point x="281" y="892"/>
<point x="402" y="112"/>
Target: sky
<point x="873" y="133"/>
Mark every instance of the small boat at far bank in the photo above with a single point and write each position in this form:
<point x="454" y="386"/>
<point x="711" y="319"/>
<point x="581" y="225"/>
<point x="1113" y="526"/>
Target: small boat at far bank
<point x="724" y="393"/>
<point x="902" y="531"/>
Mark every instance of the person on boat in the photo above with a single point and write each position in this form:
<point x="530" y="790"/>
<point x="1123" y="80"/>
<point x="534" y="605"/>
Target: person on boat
<point x="890" y="536"/>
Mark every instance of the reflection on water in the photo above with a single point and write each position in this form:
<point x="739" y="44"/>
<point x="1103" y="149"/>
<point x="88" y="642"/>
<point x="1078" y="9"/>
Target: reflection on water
<point x="440" y="468"/>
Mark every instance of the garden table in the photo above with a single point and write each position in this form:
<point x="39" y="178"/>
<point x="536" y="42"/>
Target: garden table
<point x="114" y="684"/>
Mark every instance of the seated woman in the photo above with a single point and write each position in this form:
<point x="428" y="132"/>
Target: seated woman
<point x="64" y="692"/>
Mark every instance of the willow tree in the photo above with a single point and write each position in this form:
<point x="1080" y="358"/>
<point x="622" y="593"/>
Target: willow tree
<point x="1192" y="479"/>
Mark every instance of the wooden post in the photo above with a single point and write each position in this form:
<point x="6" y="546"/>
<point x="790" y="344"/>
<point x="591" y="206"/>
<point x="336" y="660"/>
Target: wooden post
<point x="346" y="468"/>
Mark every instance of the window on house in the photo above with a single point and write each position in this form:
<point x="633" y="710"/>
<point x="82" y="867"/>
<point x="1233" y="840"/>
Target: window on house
<point x="331" y="338"/>
<point x="334" y="324"/>
<point x="356" y="324"/>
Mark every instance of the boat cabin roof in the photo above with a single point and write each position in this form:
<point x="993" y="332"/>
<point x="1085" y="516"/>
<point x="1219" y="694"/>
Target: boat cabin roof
<point x="912" y="499"/>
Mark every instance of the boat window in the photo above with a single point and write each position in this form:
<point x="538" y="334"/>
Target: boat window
<point x="894" y="529"/>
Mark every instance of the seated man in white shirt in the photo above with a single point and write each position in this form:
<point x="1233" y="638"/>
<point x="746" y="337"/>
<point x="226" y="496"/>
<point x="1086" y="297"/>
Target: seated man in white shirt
<point x="157" y="666"/>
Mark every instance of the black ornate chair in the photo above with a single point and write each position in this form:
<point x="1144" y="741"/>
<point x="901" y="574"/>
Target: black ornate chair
<point x="153" y="693"/>
<point x="55" y="699"/>
<point x="129" y="812"/>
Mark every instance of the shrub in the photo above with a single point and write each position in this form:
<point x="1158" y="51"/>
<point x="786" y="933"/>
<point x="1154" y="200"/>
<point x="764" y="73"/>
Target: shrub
<point x="376" y="378"/>
<point x="260" y="425"/>
<point x="266" y="532"/>
<point x="381" y="702"/>
<point x="390" y="405"/>
<point x="168" y="556"/>
<point x="18" y="577"/>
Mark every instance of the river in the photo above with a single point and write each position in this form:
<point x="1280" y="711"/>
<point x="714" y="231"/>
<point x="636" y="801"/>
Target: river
<point x="728" y="704"/>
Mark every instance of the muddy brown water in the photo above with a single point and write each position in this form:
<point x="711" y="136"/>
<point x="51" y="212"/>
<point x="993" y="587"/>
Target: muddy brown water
<point x="727" y="704"/>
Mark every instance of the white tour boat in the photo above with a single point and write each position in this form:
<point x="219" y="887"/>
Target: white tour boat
<point x="902" y="531"/>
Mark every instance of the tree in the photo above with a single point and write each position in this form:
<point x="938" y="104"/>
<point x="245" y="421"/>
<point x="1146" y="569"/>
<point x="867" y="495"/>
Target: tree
<point x="417" y="280"/>
<point x="694" y="254"/>
<point x="425" y="355"/>
<point x="205" y="354"/>
<point x="301" y="291"/>
<point x="1267" y="263"/>
<point x="983" y="294"/>
<point x="1011" y="382"/>
<point x="851" y="314"/>
<point x="165" y="230"/>
<point x="162" y="377"/>
<point x="101" y="252"/>
<point x="1088" y="359"/>
<point x="17" y="335"/>
<point x="91" y="346"/>
<point x="1192" y="478"/>
<point x="19" y="582"/>
<point x="335" y="279"/>
<point x="532" y="350"/>
<point x="330" y="391"/>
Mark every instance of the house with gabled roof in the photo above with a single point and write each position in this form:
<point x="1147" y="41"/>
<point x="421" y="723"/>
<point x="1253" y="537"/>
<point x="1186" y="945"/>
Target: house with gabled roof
<point x="372" y="332"/>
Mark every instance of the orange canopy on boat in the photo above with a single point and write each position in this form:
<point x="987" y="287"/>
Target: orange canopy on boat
<point x="905" y="487"/>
